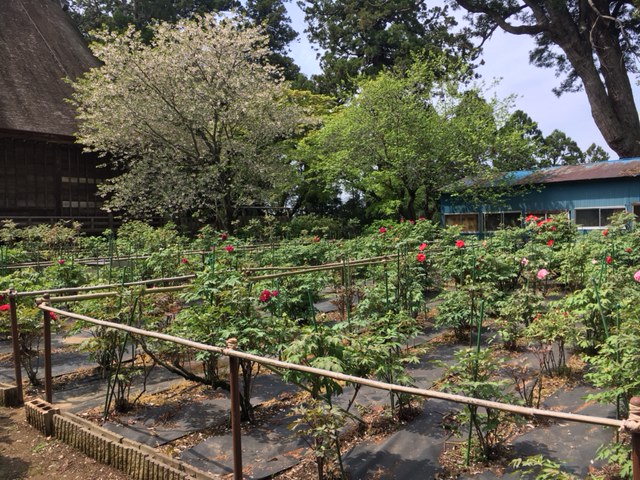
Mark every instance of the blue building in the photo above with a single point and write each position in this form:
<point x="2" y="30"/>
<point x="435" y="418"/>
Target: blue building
<point x="588" y="194"/>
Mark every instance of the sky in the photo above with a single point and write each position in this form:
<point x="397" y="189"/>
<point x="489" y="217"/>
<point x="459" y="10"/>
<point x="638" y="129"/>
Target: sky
<point x="506" y="58"/>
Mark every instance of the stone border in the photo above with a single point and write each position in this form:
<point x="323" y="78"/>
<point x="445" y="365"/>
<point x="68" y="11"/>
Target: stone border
<point x="8" y="395"/>
<point x="139" y="461"/>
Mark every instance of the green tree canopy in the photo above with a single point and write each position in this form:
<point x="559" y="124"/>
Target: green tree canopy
<point x="403" y="137"/>
<point x="359" y="37"/>
<point x="193" y="121"/>
<point x="119" y="14"/>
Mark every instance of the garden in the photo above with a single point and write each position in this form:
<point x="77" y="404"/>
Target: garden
<point x="540" y="316"/>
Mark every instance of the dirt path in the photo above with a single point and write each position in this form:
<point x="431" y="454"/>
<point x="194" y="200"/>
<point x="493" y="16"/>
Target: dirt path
<point x="26" y="454"/>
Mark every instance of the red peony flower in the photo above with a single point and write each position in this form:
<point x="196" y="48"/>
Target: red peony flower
<point x="274" y="293"/>
<point x="605" y="232"/>
<point x="460" y="243"/>
<point x="61" y="261"/>
<point x="422" y="247"/>
<point x="53" y="316"/>
<point x="316" y="238"/>
<point x="265" y="296"/>
<point x="421" y="218"/>
<point x="421" y="257"/>
<point x="184" y="260"/>
<point x="224" y="236"/>
<point x="229" y="248"/>
<point x="412" y="222"/>
<point x="609" y="259"/>
<point x="5" y="307"/>
<point x="550" y="242"/>
<point x="382" y="230"/>
<point x="628" y="249"/>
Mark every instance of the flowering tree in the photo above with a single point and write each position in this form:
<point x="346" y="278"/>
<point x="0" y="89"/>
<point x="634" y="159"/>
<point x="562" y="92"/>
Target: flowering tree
<point x="191" y="121"/>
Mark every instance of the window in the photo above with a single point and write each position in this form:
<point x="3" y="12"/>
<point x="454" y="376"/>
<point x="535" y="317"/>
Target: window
<point x="596" y="217"/>
<point x="467" y="221"/>
<point x="544" y="215"/>
<point x="495" y="221"/>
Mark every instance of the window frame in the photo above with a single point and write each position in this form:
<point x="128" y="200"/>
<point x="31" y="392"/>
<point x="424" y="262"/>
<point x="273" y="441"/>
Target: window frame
<point x="501" y="213"/>
<point x="601" y="225"/>
<point x="477" y="215"/>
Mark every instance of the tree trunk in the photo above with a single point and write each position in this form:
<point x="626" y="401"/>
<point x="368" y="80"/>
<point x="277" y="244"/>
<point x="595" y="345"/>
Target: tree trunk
<point x="610" y="95"/>
<point x="589" y="36"/>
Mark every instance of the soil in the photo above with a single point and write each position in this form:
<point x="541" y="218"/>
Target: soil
<point x="27" y="454"/>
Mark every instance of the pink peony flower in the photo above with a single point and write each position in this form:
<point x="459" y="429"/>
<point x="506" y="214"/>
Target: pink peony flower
<point x="61" y="262"/>
<point x="184" y="260"/>
<point x="524" y="261"/>
<point x="594" y="261"/>
<point x="636" y="276"/>
<point x="382" y="230"/>
<point x="460" y="243"/>
<point x="422" y="247"/>
<point x="274" y="293"/>
<point x="421" y="257"/>
<point x="229" y="248"/>
<point x="542" y="273"/>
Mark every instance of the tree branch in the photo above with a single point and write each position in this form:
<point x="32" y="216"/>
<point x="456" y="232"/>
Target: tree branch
<point x="501" y="18"/>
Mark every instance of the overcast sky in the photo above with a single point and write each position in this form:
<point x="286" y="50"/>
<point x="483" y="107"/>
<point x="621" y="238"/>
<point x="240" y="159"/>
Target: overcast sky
<point x="507" y="58"/>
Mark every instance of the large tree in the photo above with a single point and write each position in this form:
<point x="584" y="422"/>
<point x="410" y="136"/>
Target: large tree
<point x="594" y="43"/>
<point x="403" y="137"/>
<point x="363" y="37"/>
<point x="192" y="120"/>
<point x="119" y="14"/>
<point x="272" y="15"/>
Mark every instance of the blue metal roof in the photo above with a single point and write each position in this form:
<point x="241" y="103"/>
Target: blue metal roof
<point x="626" y="167"/>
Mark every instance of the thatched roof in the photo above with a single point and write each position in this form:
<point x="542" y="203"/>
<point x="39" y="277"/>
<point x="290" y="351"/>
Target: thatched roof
<point x="39" y="46"/>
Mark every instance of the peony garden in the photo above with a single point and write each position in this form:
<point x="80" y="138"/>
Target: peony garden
<point x="515" y="317"/>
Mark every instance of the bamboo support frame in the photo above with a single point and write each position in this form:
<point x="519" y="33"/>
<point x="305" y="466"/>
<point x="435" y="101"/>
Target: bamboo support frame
<point x="35" y="293"/>
<point x="278" y="364"/>
<point x="91" y="296"/>
<point x="293" y="268"/>
<point x="318" y="268"/>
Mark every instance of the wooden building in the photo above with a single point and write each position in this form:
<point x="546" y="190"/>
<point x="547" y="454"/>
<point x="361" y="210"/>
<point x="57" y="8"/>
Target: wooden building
<point x="588" y="194"/>
<point x="44" y="176"/>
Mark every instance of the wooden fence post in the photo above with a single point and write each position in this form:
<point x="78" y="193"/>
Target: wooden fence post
<point x="48" y="377"/>
<point x="633" y="425"/>
<point x="15" y="341"/>
<point x="236" y="433"/>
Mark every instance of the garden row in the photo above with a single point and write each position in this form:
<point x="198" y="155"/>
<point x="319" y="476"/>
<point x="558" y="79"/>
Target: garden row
<point x="543" y="287"/>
